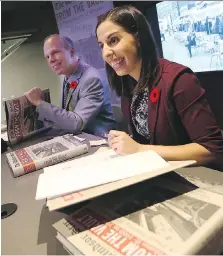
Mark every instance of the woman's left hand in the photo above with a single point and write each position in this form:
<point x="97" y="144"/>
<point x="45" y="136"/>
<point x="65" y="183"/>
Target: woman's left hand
<point x="122" y="143"/>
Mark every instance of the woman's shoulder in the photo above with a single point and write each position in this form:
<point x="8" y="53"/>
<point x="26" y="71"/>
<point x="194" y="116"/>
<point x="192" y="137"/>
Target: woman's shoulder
<point x="172" y="67"/>
<point x="171" y="71"/>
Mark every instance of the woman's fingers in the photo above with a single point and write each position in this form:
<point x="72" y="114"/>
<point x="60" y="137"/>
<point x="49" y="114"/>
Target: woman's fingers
<point x="116" y="133"/>
<point x="113" y="140"/>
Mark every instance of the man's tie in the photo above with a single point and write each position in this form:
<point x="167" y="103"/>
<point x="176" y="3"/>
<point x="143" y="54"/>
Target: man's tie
<point x="66" y="87"/>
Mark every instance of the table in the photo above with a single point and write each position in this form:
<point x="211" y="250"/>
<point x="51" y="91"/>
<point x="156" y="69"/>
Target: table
<point x="29" y="230"/>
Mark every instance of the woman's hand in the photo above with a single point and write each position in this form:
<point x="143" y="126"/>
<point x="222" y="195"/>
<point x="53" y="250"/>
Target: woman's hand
<point x="122" y="143"/>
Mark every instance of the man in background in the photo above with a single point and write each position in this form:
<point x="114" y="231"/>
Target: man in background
<point x="85" y="102"/>
<point x="191" y="41"/>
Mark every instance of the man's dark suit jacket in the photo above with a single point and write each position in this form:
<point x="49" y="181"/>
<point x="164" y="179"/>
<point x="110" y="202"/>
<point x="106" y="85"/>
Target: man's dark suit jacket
<point x="181" y="114"/>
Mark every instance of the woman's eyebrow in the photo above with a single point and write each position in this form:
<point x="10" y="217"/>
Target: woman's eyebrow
<point x="109" y="36"/>
<point x="113" y="33"/>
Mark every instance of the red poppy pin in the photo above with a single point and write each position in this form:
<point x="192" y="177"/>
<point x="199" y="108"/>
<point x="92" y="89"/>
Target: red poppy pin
<point x="73" y="85"/>
<point x="154" y="95"/>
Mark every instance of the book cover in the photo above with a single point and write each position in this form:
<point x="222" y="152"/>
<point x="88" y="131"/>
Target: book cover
<point x="40" y="155"/>
<point x="22" y="118"/>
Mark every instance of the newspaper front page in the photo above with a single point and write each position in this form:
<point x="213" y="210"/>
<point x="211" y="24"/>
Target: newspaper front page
<point x="43" y="154"/>
<point x="22" y="118"/>
<point x="156" y="219"/>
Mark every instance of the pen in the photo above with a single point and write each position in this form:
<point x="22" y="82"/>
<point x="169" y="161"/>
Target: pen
<point x="109" y="136"/>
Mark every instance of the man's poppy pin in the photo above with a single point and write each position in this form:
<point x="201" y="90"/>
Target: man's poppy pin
<point x="73" y="85"/>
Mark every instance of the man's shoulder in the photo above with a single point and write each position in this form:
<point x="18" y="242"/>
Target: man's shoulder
<point x="91" y="72"/>
<point x="85" y="73"/>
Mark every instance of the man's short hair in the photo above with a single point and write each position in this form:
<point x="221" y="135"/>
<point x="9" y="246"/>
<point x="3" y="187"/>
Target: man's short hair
<point x="67" y="42"/>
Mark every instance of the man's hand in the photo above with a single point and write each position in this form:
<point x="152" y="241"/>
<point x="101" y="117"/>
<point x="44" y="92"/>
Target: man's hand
<point x="34" y="96"/>
<point x="122" y="143"/>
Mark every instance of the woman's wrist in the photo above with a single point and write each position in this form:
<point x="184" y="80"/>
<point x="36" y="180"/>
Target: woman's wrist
<point x="142" y="147"/>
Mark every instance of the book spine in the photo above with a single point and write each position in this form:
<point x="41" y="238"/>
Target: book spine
<point x="20" y="162"/>
<point x="13" y="111"/>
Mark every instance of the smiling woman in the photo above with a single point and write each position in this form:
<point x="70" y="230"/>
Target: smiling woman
<point x="116" y="39"/>
<point x="118" y="34"/>
<point x="162" y="100"/>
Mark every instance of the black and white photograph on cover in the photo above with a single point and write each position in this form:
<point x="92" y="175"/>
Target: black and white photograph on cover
<point x="192" y="33"/>
<point x="31" y="114"/>
<point x="208" y="181"/>
<point x="31" y="122"/>
<point x="48" y="150"/>
<point x="70" y="138"/>
<point x="174" y="220"/>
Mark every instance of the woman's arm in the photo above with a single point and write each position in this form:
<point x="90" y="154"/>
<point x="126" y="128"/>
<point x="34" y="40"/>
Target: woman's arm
<point x="198" y="120"/>
<point x="123" y="144"/>
<point x="191" y="151"/>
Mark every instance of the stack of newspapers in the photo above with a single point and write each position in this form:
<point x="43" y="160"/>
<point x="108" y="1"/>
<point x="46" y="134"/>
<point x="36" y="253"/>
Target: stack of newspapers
<point x="138" y="206"/>
<point x="97" y="173"/>
<point x="168" y="214"/>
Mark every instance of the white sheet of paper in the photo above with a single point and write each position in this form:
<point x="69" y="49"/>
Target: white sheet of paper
<point x="78" y="163"/>
<point x="94" y="143"/>
<point x="74" y="179"/>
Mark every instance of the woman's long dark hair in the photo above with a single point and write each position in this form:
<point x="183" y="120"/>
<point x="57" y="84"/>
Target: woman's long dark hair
<point x="135" y="23"/>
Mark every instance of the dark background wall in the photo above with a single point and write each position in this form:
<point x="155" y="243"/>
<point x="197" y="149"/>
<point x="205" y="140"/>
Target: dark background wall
<point x="18" y="16"/>
<point x="25" y="16"/>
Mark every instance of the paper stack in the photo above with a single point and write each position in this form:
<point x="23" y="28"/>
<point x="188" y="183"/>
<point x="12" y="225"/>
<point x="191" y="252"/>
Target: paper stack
<point x="164" y="216"/>
<point x="91" y="176"/>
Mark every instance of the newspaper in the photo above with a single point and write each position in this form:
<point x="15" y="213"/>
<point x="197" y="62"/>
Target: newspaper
<point x="205" y="178"/>
<point x="22" y="118"/>
<point x="147" y="220"/>
<point x="46" y="153"/>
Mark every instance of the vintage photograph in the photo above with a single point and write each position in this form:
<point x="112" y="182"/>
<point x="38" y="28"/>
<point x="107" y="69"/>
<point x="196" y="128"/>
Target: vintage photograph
<point x="175" y="219"/>
<point x="48" y="150"/>
<point x="31" y="122"/>
<point x="192" y="33"/>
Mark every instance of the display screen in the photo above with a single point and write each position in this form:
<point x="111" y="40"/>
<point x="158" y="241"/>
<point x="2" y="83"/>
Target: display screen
<point x="192" y="33"/>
